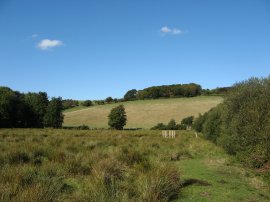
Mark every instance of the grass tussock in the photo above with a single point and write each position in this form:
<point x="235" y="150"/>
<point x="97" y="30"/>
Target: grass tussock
<point x="70" y="165"/>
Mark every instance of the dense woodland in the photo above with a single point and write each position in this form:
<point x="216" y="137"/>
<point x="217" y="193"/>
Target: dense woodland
<point x="241" y="124"/>
<point x="30" y="110"/>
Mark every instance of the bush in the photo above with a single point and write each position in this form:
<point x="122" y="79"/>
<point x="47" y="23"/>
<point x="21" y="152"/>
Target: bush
<point x="171" y="125"/>
<point x="198" y="123"/>
<point x="87" y="103"/>
<point x="241" y="124"/>
<point x="212" y="125"/>
<point x="187" y="121"/>
<point x="159" y="126"/>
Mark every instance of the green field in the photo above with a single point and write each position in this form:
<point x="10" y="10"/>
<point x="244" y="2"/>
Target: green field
<point x="103" y="165"/>
<point x="142" y="113"/>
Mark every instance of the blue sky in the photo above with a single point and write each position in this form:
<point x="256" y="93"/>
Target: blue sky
<point x="92" y="49"/>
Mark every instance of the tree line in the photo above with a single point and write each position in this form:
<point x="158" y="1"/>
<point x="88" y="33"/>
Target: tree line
<point x="29" y="110"/>
<point x="173" y="91"/>
<point x="154" y="92"/>
<point x="241" y="124"/>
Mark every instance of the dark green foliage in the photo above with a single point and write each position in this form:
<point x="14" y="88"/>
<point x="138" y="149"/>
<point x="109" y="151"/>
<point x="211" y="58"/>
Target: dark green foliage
<point x="130" y="95"/>
<point x="100" y="102"/>
<point x="54" y="116"/>
<point x="87" y="103"/>
<point x="187" y="121"/>
<point x="109" y="100"/>
<point x="70" y="103"/>
<point x="241" y="124"/>
<point x="37" y="103"/>
<point x="117" y="118"/>
<point x="212" y="125"/>
<point x="159" y="126"/>
<point x="22" y="110"/>
<point x="247" y="121"/>
<point x="198" y="122"/>
<point x="171" y="125"/>
<point x="178" y="90"/>
<point x="181" y="127"/>
<point x="216" y="91"/>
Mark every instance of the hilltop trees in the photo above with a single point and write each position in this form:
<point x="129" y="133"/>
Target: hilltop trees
<point x="117" y="118"/>
<point x="166" y="91"/>
<point x="109" y="100"/>
<point x="130" y="95"/>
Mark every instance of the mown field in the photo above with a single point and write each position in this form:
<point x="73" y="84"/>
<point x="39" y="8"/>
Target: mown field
<point x="142" y="113"/>
<point x="103" y="165"/>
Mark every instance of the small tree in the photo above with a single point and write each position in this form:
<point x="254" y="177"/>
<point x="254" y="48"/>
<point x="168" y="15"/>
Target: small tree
<point x="171" y="125"/>
<point x="109" y="100"/>
<point x="187" y="121"/>
<point x="54" y="116"/>
<point x="87" y="103"/>
<point x="117" y="118"/>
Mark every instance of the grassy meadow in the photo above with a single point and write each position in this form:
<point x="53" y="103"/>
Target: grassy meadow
<point x="104" y="165"/>
<point x="142" y="113"/>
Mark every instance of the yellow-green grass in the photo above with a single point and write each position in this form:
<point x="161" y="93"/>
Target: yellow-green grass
<point x="104" y="165"/>
<point x="143" y="113"/>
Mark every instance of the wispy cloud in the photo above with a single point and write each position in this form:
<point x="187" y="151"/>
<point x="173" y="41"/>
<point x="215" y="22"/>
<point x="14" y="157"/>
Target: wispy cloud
<point x="47" y="44"/>
<point x="34" y="35"/>
<point x="174" y="31"/>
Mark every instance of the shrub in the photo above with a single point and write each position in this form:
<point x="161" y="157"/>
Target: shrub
<point x="212" y="125"/>
<point x="171" y="125"/>
<point x="187" y="121"/>
<point x="159" y="126"/>
<point x="87" y="103"/>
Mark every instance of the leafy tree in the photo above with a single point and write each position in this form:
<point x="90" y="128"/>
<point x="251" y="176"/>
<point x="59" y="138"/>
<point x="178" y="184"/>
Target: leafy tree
<point x="12" y="109"/>
<point x="87" y="103"/>
<point x="171" y="125"/>
<point x="54" y="116"/>
<point x="117" y="118"/>
<point x="130" y="95"/>
<point x="187" y="121"/>
<point x="37" y="104"/>
<point x="109" y="100"/>
<point x="199" y="121"/>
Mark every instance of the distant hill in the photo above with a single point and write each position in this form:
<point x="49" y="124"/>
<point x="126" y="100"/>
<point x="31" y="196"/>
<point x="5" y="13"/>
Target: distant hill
<point x="142" y="113"/>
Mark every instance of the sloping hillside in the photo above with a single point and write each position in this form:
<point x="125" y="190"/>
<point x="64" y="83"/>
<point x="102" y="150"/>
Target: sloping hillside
<point x="143" y="113"/>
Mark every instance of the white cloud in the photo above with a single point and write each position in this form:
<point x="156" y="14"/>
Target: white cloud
<point x="165" y="29"/>
<point x="46" y="44"/>
<point x="174" y="31"/>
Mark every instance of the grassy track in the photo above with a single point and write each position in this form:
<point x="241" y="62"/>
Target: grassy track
<point x="70" y="165"/>
<point x="142" y="113"/>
